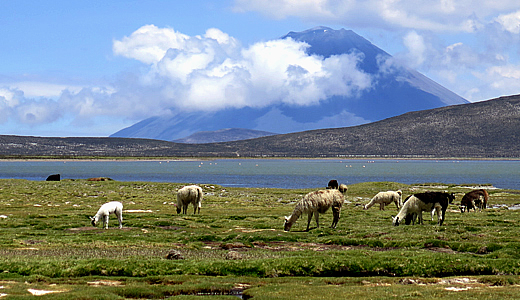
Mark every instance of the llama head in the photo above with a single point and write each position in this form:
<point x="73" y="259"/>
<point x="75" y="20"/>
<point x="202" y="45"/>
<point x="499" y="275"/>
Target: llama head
<point x="395" y="221"/>
<point x="93" y="221"/>
<point x="287" y="225"/>
<point x="343" y="188"/>
<point x="451" y="197"/>
<point x="178" y="209"/>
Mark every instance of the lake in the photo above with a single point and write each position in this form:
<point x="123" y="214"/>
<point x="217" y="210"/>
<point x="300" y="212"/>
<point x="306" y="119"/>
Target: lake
<point x="276" y="173"/>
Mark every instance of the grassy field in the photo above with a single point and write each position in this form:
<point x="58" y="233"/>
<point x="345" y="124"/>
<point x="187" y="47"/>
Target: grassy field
<point x="237" y="245"/>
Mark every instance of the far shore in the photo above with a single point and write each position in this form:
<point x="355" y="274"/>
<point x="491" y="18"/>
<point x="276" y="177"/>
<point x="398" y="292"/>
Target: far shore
<point x="404" y="158"/>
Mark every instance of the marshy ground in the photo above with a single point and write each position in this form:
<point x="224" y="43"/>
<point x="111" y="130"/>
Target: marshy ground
<point x="237" y="245"/>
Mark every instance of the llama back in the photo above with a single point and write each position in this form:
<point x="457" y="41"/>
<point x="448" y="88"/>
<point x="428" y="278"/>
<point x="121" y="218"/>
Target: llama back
<point x="320" y="200"/>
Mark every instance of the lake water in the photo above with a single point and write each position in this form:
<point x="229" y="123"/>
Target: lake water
<point x="277" y="173"/>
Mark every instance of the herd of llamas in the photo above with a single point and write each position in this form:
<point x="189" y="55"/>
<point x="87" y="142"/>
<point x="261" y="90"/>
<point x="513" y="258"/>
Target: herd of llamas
<point x="318" y="202"/>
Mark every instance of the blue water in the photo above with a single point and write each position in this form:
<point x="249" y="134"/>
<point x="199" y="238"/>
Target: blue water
<point x="276" y="173"/>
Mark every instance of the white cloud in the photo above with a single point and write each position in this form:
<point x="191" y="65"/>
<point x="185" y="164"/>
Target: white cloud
<point x="416" y="47"/>
<point x="510" y="22"/>
<point x="35" y="89"/>
<point x="443" y="15"/>
<point x="213" y="72"/>
<point x="10" y="97"/>
<point x="149" y="43"/>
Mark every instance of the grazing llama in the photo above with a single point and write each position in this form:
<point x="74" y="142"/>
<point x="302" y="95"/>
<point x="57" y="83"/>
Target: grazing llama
<point x="474" y="199"/>
<point x="316" y="203"/>
<point x="105" y="210"/>
<point x="385" y="198"/>
<point x="189" y="194"/>
<point x="412" y="209"/>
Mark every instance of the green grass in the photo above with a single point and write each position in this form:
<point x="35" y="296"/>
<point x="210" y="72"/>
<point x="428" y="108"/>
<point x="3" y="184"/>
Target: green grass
<point x="47" y="243"/>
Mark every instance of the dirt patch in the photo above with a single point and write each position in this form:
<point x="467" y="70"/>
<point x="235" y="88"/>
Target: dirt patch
<point x="457" y="284"/>
<point x="42" y="292"/>
<point x="89" y="228"/>
<point x="138" y="211"/>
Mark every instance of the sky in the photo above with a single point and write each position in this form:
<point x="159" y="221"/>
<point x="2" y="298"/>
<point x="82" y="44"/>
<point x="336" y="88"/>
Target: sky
<point x="91" y="68"/>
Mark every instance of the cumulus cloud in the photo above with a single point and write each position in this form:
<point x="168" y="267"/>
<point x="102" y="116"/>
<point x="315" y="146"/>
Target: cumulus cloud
<point x="13" y="104"/>
<point x="510" y="22"/>
<point x="214" y="71"/>
<point x="149" y="43"/>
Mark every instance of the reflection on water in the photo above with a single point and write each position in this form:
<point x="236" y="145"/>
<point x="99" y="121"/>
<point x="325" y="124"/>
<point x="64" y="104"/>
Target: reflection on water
<point x="277" y="173"/>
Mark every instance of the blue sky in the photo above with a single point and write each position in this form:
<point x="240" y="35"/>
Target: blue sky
<point x="91" y="68"/>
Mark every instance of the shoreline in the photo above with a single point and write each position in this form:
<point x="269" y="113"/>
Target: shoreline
<point x="369" y="158"/>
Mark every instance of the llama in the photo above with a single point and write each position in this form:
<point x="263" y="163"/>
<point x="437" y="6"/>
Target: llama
<point x="333" y="184"/>
<point x="474" y="199"/>
<point x="189" y="194"/>
<point x="443" y="199"/>
<point x="105" y="210"/>
<point x="385" y="198"/>
<point x="412" y="209"/>
<point x="318" y="202"/>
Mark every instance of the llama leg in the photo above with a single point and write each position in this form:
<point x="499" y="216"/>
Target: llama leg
<point x="105" y="222"/>
<point x="335" y="214"/>
<point x="443" y="213"/>
<point x="309" y="220"/>
<point x="317" y="217"/>
<point x="120" y="219"/>
<point x="381" y="206"/>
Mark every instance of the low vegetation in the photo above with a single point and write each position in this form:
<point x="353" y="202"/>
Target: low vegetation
<point x="237" y="245"/>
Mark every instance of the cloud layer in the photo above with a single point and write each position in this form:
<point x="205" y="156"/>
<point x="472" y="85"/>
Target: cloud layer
<point x="439" y="15"/>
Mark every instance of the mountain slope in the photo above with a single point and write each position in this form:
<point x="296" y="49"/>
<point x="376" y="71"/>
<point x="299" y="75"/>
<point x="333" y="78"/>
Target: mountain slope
<point x="223" y="135"/>
<point x="395" y="90"/>
<point x="483" y="129"/>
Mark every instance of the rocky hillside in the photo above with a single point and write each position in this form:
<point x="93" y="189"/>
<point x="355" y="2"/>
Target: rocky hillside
<point x="483" y="129"/>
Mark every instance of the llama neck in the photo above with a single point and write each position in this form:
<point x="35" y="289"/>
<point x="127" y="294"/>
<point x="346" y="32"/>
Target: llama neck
<point x="294" y="217"/>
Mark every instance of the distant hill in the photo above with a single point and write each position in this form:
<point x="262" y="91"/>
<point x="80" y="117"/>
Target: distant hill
<point x="488" y="129"/>
<point x="396" y="90"/>
<point x="223" y="135"/>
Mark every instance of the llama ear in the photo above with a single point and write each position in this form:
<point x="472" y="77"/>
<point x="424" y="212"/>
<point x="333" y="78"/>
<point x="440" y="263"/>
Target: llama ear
<point x="91" y="218"/>
<point x="286" y="218"/>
